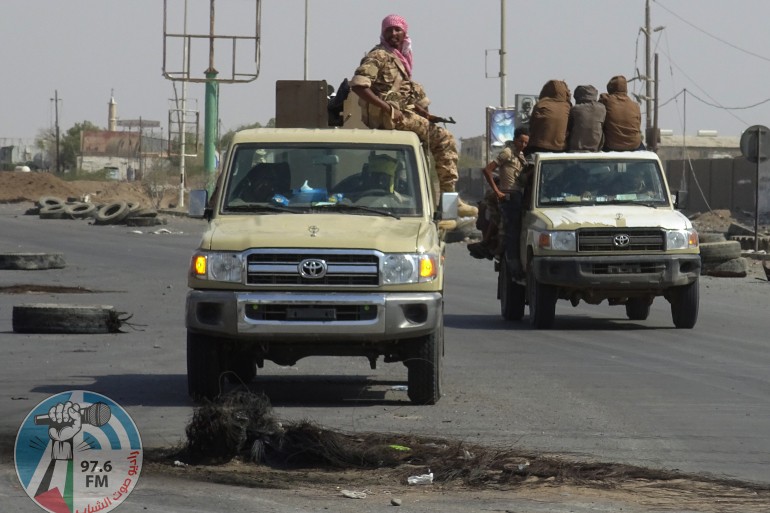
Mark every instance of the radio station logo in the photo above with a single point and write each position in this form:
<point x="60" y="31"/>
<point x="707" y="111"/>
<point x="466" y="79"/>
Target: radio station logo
<point x="78" y="452"/>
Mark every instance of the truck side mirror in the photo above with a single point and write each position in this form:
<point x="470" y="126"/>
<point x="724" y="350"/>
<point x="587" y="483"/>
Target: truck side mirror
<point x="198" y="200"/>
<point x="450" y="202"/>
<point x="680" y="200"/>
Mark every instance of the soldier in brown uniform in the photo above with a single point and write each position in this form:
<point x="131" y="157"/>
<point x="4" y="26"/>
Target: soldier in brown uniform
<point x="622" y="126"/>
<point x="392" y="100"/>
<point x="548" y="124"/>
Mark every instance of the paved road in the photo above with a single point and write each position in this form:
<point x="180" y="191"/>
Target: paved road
<point x="597" y="386"/>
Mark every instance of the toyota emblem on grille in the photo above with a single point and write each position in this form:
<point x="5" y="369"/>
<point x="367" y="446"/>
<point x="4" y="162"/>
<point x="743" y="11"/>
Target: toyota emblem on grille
<point x="312" y="268"/>
<point x="622" y="240"/>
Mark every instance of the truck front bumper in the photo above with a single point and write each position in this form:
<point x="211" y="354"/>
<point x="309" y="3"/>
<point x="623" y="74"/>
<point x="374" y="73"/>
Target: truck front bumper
<point x="338" y="317"/>
<point x="631" y="272"/>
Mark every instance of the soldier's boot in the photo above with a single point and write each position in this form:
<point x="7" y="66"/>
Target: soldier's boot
<point x="466" y="210"/>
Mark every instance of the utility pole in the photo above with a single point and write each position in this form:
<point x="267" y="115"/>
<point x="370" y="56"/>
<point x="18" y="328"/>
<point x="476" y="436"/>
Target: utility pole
<point x="183" y="126"/>
<point x="56" y="110"/>
<point x="648" y="67"/>
<point x="306" y="40"/>
<point x="503" y="100"/>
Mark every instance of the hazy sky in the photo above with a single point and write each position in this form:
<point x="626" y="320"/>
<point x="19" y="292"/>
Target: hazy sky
<point x="718" y="51"/>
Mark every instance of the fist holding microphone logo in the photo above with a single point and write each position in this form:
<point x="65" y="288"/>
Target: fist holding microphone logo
<point x="78" y="452"/>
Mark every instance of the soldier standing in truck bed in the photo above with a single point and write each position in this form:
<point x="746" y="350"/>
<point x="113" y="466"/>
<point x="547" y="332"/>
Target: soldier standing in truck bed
<point x="390" y="99"/>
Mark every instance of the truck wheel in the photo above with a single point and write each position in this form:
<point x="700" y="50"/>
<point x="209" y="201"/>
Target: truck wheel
<point x="424" y="368"/>
<point x="512" y="295"/>
<point x="204" y="370"/>
<point x="638" y="308"/>
<point x="684" y="305"/>
<point x="242" y="367"/>
<point x="542" y="303"/>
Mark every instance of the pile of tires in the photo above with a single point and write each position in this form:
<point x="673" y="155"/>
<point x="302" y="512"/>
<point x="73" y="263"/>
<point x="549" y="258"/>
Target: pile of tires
<point x="721" y="257"/>
<point x="118" y="212"/>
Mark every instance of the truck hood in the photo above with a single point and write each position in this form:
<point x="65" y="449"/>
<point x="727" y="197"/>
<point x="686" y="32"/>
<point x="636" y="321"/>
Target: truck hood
<point x="620" y="216"/>
<point x="387" y="234"/>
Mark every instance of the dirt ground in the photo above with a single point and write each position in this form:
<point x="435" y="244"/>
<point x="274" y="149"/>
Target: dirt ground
<point x="30" y="187"/>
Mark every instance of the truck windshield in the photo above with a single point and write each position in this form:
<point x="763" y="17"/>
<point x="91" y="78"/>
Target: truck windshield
<point x="601" y="181"/>
<point x="305" y="178"/>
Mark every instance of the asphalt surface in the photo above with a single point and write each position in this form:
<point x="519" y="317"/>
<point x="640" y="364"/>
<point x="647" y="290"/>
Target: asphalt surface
<point x="596" y="387"/>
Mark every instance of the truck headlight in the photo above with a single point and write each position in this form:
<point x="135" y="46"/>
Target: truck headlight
<point x="399" y="268"/>
<point x="218" y="266"/>
<point x="681" y="239"/>
<point x="557" y="241"/>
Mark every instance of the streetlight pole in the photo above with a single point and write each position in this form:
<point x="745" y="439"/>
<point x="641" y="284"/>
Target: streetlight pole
<point x="503" y="100"/>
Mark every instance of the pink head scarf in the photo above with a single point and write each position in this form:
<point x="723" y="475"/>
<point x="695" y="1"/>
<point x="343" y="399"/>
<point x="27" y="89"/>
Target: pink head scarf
<point x="404" y="53"/>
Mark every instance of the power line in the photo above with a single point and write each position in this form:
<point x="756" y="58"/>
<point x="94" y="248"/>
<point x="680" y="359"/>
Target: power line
<point x="748" y="52"/>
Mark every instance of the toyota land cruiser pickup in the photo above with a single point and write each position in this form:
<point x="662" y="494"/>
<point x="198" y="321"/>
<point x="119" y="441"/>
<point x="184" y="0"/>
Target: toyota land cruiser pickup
<point x="602" y="226"/>
<point x="321" y="242"/>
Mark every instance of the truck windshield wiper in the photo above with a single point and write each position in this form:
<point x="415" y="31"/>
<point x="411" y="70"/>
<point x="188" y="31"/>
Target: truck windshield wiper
<point x="647" y="203"/>
<point x="360" y="208"/>
<point x="260" y="207"/>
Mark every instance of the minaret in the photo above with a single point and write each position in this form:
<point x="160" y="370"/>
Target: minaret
<point x="112" y="114"/>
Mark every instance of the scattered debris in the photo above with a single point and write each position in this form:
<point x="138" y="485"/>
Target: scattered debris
<point x="421" y="479"/>
<point x="350" y="494"/>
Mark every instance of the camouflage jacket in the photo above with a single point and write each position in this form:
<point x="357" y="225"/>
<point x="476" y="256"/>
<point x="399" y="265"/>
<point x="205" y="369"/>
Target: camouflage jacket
<point x="384" y="73"/>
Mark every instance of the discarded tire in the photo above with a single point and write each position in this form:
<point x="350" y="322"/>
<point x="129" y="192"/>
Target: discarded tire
<point x="720" y="251"/>
<point x="706" y="237"/>
<point x="112" y="213"/>
<point x="144" y="212"/>
<point x="735" y="268"/>
<point x="52" y="211"/>
<point x="31" y="261"/>
<point x="142" y="221"/>
<point x="80" y="210"/>
<point x="47" y="201"/>
<point x="53" y="318"/>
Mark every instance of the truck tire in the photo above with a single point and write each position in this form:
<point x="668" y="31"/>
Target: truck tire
<point x="242" y="367"/>
<point x="542" y="303"/>
<point x="720" y="251"/>
<point x="638" y="308"/>
<point x="424" y="369"/>
<point x="684" y="305"/>
<point x="512" y="295"/>
<point x="204" y="368"/>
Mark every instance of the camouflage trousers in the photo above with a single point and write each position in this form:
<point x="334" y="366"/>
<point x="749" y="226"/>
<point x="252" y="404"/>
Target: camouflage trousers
<point x="441" y="144"/>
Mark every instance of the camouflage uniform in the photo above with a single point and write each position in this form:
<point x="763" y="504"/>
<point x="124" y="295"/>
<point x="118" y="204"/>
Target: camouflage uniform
<point x="385" y="75"/>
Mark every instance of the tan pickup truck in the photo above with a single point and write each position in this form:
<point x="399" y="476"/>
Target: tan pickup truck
<point x="320" y="242"/>
<point x="602" y="226"/>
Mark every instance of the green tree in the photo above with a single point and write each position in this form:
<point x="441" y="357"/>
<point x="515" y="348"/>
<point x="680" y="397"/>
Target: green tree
<point x="69" y="145"/>
<point x="225" y="140"/>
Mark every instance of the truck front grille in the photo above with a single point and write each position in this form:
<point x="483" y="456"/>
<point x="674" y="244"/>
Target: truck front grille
<point x="294" y="313"/>
<point x="620" y="240"/>
<point x="326" y="268"/>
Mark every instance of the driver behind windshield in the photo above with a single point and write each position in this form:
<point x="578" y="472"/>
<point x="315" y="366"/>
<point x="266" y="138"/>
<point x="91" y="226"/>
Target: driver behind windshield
<point x="381" y="173"/>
